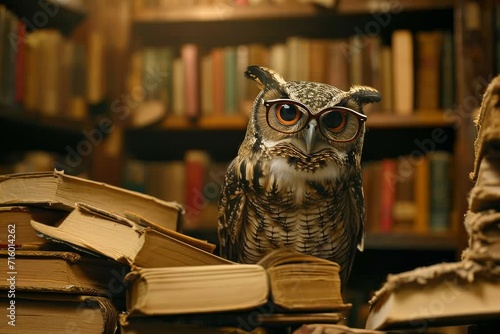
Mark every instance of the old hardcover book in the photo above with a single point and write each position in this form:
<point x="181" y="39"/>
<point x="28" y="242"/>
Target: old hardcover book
<point x="403" y="72"/>
<point x="428" y="69"/>
<point x="57" y="271"/>
<point x="302" y="282"/>
<point x="60" y="190"/>
<point x="448" y="293"/>
<point x="196" y="289"/>
<point x="259" y="320"/>
<point x="15" y="225"/>
<point x="58" y="313"/>
<point x="125" y="241"/>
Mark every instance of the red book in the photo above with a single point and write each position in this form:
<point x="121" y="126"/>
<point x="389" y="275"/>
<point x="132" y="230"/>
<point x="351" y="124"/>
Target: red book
<point x="196" y="201"/>
<point x="387" y="194"/>
<point x="218" y="85"/>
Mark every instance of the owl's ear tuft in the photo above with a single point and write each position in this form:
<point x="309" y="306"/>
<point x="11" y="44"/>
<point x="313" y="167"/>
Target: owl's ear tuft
<point x="364" y="94"/>
<point x="265" y="78"/>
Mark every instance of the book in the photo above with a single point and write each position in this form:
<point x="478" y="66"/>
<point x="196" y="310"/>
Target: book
<point x="190" y="57"/>
<point x="388" y="176"/>
<point x="300" y="282"/>
<point x="58" y="272"/>
<point x="60" y="190"/>
<point x="157" y="326"/>
<point x="447" y="293"/>
<point x="440" y="192"/>
<point x="403" y="72"/>
<point x="195" y="289"/>
<point x="218" y="84"/>
<point x="56" y="313"/>
<point x="337" y="66"/>
<point x="386" y="79"/>
<point x="230" y="80"/>
<point x="255" y="321"/>
<point x="421" y="195"/>
<point x="333" y="329"/>
<point x="18" y="219"/>
<point x="428" y="69"/>
<point x="404" y="208"/>
<point x="93" y="230"/>
<point x="196" y="165"/>
<point x="447" y="74"/>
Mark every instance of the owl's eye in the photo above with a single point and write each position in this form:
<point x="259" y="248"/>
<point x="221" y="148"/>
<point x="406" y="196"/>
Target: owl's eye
<point x="287" y="114"/>
<point x="335" y="121"/>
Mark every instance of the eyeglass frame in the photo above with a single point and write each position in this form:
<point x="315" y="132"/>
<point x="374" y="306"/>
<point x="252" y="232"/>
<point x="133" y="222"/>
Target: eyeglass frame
<point x="359" y="116"/>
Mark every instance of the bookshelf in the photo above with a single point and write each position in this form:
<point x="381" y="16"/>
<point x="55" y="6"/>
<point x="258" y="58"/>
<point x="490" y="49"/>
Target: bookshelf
<point x="64" y="16"/>
<point x="388" y="135"/>
<point x="29" y="129"/>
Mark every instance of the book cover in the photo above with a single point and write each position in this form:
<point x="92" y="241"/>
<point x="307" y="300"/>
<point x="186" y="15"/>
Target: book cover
<point x="123" y="240"/>
<point x="58" y="313"/>
<point x="59" y="190"/>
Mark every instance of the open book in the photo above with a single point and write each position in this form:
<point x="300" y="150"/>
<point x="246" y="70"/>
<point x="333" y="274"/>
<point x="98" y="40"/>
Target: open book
<point x="301" y="282"/>
<point x="93" y="230"/>
<point x="439" y="295"/>
<point x="61" y="190"/>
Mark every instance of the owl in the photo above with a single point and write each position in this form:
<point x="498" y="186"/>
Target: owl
<point x="296" y="181"/>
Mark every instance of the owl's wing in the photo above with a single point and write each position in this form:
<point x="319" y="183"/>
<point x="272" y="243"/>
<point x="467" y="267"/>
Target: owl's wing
<point x="356" y="218"/>
<point x="230" y="217"/>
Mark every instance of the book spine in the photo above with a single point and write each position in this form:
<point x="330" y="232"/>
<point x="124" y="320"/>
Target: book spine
<point x="189" y="54"/>
<point x="428" y="69"/>
<point x="440" y="191"/>
<point x="230" y="82"/>
<point x="387" y="194"/>
<point x="196" y="167"/>
<point x="218" y="75"/>
<point x="422" y="200"/>
<point x="403" y="72"/>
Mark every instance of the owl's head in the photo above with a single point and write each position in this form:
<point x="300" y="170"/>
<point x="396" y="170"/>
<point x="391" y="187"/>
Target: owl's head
<point x="311" y="120"/>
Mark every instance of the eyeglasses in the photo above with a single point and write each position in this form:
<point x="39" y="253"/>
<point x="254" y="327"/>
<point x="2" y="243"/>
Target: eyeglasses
<point x="338" y="124"/>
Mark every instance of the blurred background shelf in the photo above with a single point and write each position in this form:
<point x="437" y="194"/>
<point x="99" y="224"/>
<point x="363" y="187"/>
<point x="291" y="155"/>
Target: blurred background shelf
<point x="45" y="14"/>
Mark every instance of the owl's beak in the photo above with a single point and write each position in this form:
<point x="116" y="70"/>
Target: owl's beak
<point x="310" y="136"/>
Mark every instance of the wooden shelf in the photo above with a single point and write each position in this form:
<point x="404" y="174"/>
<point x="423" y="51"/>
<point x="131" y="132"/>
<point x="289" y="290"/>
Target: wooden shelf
<point x="222" y="136"/>
<point x="410" y="241"/>
<point x="420" y="118"/>
<point x="374" y="6"/>
<point x="22" y="132"/>
<point x="42" y="14"/>
<point x="226" y="12"/>
<point x="268" y="23"/>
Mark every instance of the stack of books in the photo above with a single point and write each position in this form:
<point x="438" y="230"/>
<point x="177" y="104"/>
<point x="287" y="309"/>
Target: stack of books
<point x="106" y="259"/>
<point x="465" y="292"/>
